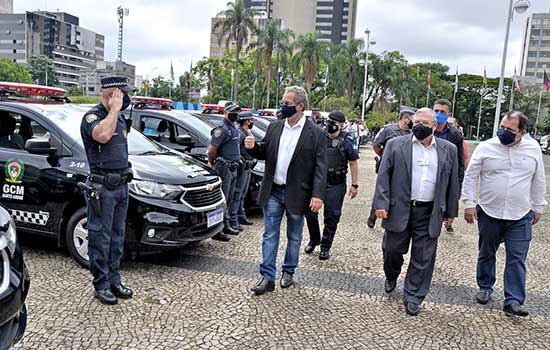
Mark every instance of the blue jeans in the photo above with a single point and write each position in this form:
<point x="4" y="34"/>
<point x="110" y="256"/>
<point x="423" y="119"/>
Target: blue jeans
<point x="106" y="237"/>
<point x="273" y="215"/>
<point x="517" y="237"/>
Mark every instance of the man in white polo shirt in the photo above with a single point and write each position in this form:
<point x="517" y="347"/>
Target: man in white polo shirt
<point x="510" y="171"/>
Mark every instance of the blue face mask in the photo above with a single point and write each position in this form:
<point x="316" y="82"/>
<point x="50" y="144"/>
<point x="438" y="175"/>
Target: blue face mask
<point x="506" y="137"/>
<point x="287" y="111"/>
<point x="126" y="100"/>
<point x="441" y="117"/>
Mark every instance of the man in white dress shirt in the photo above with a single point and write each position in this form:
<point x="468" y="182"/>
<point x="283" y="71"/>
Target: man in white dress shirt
<point x="416" y="191"/>
<point x="510" y="172"/>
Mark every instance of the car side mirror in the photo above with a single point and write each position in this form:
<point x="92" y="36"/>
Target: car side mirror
<point x="39" y="146"/>
<point x="185" y="140"/>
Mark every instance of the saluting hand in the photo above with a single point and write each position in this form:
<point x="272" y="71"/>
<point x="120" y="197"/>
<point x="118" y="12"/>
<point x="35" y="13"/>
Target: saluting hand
<point x="115" y="101"/>
<point x="250" y="140"/>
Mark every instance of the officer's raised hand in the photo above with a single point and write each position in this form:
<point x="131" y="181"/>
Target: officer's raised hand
<point x="250" y="140"/>
<point x="115" y="101"/>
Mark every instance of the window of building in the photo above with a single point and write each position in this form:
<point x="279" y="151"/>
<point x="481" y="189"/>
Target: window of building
<point x="324" y="15"/>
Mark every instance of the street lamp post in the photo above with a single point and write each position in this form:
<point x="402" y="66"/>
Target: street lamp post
<point x="366" y="63"/>
<point x="520" y="7"/>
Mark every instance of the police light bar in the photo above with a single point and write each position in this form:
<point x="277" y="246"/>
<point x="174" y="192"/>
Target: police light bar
<point x="32" y="90"/>
<point x="152" y="100"/>
<point x="212" y="107"/>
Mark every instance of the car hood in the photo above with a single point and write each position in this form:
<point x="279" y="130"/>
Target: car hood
<point x="170" y="168"/>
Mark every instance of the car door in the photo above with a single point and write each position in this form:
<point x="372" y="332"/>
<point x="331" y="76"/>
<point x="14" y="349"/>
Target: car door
<point x="160" y="130"/>
<point x="31" y="185"/>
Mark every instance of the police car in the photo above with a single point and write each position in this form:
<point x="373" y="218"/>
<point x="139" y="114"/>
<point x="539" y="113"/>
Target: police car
<point x="175" y="129"/>
<point x="174" y="199"/>
<point x="14" y="284"/>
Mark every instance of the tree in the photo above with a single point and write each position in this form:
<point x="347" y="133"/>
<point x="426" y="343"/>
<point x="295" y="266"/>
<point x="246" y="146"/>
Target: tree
<point x="42" y="70"/>
<point x="309" y="54"/>
<point x="14" y="72"/>
<point x="236" y="24"/>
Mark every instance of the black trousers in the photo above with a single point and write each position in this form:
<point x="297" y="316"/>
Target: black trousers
<point x="423" y="252"/>
<point x="332" y="211"/>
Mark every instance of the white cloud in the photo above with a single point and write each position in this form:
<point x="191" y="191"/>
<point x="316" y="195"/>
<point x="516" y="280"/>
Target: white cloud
<point x="469" y="33"/>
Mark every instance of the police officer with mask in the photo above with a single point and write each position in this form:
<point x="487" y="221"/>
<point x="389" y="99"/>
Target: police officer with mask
<point x="236" y="208"/>
<point x="104" y="132"/>
<point x="224" y="156"/>
<point x="340" y="153"/>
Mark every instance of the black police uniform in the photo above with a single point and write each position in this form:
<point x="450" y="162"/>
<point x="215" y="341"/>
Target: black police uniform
<point x="340" y="151"/>
<point x="226" y="138"/>
<point x="109" y="175"/>
<point x="236" y="208"/>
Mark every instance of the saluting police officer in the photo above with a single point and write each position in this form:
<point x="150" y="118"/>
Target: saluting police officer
<point x="340" y="153"/>
<point x="237" y="211"/>
<point x="104" y="132"/>
<point x="224" y="156"/>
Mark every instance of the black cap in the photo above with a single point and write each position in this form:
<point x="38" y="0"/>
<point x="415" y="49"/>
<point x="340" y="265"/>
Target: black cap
<point x="245" y="116"/>
<point x="232" y="107"/>
<point x="117" y="82"/>
<point x="337" y="116"/>
<point x="315" y="110"/>
<point x="406" y="110"/>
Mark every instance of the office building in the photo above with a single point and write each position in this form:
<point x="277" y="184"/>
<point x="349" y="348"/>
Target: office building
<point x="536" y="46"/>
<point x="90" y="79"/>
<point x="56" y="35"/>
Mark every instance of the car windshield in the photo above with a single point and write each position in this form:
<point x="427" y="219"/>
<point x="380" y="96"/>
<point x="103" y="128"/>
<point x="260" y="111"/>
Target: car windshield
<point x="199" y="126"/>
<point x="69" y="119"/>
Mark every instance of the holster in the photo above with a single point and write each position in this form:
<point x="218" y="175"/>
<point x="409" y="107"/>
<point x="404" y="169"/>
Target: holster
<point x="377" y="164"/>
<point x="93" y="195"/>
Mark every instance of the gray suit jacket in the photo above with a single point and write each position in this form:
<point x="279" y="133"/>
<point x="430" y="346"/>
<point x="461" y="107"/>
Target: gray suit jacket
<point x="393" y="185"/>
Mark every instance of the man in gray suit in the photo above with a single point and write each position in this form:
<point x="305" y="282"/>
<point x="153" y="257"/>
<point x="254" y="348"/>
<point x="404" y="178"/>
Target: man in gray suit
<point x="416" y="190"/>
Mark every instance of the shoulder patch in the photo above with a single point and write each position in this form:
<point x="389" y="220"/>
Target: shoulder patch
<point x="90" y="118"/>
<point x="217" y="132"/>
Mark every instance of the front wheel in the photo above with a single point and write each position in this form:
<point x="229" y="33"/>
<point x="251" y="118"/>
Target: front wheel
<point x="76" y="237"/>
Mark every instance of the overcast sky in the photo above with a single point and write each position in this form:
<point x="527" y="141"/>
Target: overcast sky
<point x="467" y="33"/>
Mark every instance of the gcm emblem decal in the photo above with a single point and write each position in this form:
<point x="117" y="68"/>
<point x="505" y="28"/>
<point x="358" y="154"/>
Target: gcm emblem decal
<point x="14" y="171"/>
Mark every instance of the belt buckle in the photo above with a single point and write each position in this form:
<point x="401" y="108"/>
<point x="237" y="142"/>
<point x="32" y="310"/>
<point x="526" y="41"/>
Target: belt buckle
<point x="414" y="203"/>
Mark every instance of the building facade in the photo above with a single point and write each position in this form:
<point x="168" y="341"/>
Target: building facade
<point x="333" y="20"/>
<point x="56" y="35"/>
<point x="90" y="79"/>
<point x="6" y="6"/>
<point x="535" y="56"/>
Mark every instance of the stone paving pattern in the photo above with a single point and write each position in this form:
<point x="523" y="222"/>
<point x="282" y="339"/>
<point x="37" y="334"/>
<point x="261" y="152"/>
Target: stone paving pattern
<point x="199" y="298"/>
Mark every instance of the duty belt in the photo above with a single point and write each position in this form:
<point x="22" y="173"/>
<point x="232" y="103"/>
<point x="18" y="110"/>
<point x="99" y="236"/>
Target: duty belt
<point x="111" y="180"/>
<point x="231" y="165"/>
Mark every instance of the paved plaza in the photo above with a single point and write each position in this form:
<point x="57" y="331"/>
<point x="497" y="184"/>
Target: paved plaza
<point x="199" y="298"/>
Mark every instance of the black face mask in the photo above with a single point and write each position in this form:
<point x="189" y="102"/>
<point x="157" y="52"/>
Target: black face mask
<point x="332" y="127"/>
<point x="233" y="117"/>
<point x="250" y="126"/>
<point x="410" y="125"/>
<point x="421" y="131"/>
<point x="126" y="100"/>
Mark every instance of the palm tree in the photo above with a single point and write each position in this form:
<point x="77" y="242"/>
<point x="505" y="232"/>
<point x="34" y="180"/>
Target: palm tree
<point x="353" y="50"/>
<point x="272" y="39"/>
<point x="309" y="57"/>
<point x="236" y="24"/>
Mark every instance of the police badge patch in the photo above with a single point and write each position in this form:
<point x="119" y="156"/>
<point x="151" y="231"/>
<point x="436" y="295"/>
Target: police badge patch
<point x="217" y="132"/>
<point x="90" y="118"/>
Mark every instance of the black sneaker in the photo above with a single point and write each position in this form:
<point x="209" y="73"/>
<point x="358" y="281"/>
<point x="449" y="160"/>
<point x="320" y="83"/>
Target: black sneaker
<point x="105" y="296"/>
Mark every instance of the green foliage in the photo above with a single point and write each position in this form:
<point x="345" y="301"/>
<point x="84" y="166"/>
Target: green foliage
<point x="85" y="99"/>
<point x="14" y="72"/>
<point x="42" y="70"/>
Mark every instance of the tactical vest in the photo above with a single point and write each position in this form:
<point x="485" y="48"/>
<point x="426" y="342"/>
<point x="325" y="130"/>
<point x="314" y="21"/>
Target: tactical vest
<point x="337" y="162"/>
<point x="112" y="155"/>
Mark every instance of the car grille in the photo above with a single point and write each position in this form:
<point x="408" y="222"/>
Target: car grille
<point x="4" y="271"/>
<point x="200" y="197"/>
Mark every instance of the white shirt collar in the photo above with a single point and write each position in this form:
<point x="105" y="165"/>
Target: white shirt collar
<point x="432" y="144"/>
<point x="300" y="123"/>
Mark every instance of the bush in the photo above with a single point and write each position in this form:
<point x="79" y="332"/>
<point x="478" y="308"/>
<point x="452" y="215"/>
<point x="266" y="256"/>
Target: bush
<point x="85" y="99"/>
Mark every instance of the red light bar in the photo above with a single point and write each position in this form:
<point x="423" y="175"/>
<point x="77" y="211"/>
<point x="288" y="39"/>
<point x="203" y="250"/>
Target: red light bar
<point x="32" y="90"/>
<point x="212" y="107"/>
<point x="152" y="100"/>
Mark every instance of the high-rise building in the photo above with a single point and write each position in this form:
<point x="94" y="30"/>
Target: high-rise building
<point x="218" y="39"/>
<point x="333" y="20"/>
<point x="56" y="35"/>
<point x="536" y="46"/>
<point x="6" y="6"/>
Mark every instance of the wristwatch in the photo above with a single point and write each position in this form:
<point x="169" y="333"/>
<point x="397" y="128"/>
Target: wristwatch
<point x="356" y="186"/>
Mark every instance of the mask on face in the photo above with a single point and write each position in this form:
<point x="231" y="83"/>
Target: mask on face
<point x="441" y="117"/>
<point x="410" y="124"/>
<point x="233" y="117"/>
<point x="421" y="131"/>
<point x="332" y="127"/>
<point x="288" y="111"/>
<point x="250" y="126"/>
<point x="125" y="102"/>
<point x="506" y="137"/>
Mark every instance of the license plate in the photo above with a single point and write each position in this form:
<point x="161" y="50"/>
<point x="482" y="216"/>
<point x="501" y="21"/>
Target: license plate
<point x="215" y="217"/>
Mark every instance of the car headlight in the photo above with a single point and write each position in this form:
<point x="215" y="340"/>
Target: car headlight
<point x="260" y="167"/>
<point x="8" y="237"/>
<point x="154" y="190"/>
